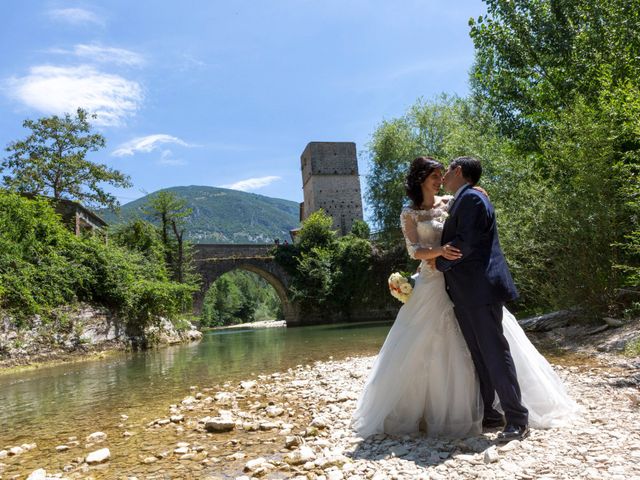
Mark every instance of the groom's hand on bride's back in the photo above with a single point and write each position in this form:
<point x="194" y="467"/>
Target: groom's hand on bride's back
<point x="481" y="190"/>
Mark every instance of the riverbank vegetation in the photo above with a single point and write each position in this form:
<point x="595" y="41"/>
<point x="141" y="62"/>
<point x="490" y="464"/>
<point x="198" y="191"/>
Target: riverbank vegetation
<point x="554" y="115"/>
<point x="43" y="266"/>
<point x="138" y="271"/>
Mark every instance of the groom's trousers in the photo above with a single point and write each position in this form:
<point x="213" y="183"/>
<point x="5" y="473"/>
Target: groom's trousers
<point x="481" y="327"/>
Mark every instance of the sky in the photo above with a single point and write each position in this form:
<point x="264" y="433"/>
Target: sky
<point x="227" y="93"/>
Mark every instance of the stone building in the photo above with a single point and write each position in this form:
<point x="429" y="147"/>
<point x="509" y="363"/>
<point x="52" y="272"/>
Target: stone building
<point x="330" y="181"/>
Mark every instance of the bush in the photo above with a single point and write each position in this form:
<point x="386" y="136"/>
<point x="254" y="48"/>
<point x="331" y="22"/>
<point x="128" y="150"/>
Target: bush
<point x="43" y="265"/>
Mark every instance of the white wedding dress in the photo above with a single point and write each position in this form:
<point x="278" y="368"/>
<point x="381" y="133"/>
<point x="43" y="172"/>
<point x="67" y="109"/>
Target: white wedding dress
<point x="424" y="378"/>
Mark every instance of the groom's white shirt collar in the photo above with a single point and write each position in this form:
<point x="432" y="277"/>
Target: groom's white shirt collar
<point x="459" y="191"/>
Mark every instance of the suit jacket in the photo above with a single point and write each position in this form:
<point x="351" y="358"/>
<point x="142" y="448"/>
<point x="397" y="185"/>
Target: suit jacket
<point x="481" y="276"/>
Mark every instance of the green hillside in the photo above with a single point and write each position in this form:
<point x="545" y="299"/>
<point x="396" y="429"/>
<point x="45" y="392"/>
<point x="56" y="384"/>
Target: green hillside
<point x="221" y="215"/>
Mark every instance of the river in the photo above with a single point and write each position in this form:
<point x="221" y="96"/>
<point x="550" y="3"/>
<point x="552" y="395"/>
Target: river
<point x="49" y="404"/>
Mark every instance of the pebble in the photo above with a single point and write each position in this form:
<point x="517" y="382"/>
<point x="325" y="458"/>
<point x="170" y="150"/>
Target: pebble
<point x="98" y="456"/>
<point x="97" y="437"/>
<point x="39" y="474"/>
<point x="219" y="424"/>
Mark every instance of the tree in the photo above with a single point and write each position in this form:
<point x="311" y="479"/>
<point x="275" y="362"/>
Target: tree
<point x="562" y="80"/>
<point x="171" y="210"/>
<point x="51" y="161"/>
<point x="360" y="229"/>
<point x="423" y="130"/>
<point x="534" y="57"/>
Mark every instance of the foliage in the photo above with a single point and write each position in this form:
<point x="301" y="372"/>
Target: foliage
<point x="43" y="265"/>
<point x="51" y="161"/>
<point x="221" y="215"/>
<point x="240" y="297"/>
<point x="143" y="237"/>
<point x="560" y="80"/>
<point x="535" y="58"/>
<point x="329" y="274"/>
<point x="172" y="212"/>
<point x="423" y="130"/>
<point x="360" y="229"/>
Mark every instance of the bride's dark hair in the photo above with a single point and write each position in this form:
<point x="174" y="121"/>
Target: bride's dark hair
<point x="420" y="169"/>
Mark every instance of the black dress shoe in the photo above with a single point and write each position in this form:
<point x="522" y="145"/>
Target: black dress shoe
<point x="497" y="422"/>
<point x="513" y="432"/>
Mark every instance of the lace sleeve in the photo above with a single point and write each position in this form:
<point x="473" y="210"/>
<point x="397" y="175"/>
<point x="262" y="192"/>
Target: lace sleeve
<point x="409" y="224"/>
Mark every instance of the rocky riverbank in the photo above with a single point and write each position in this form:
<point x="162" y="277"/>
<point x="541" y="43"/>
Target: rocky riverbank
<point x="77" y="333"/>
<point x="294" y="424"/>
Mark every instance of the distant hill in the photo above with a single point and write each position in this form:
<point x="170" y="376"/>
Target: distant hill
<point x="221" y="215"/>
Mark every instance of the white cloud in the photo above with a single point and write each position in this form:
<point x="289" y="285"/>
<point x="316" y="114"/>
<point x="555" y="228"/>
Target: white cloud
<point x="75" y="16"/>
<point x="147" y="144"/>
<point x="55" y="90"/>
<point x="252" y="183"/>
<point x="99" y="54"/>
<point x="167" y="158"/>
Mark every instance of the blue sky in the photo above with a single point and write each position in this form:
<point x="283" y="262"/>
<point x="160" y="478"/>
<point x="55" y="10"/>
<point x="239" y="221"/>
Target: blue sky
<point x="227" y="93"/>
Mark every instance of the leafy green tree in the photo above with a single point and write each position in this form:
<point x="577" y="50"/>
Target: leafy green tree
<point x="52" y="161"/>
<point x="423" y="130"/>
<point x="533" y="58"/>
<point x="143" y="237"/>
<point x="361" y="229"/>
<point x="561" y="80"/>
<point x="329" y="274"/>
<point x="171" y="210"/>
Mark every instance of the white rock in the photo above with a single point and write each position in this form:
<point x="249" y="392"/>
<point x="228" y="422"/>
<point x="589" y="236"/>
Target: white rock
<point x="224" y="398"/>
<point x="13" y="451"/>
<point x="491" y="455"/>
<point x="220" y="424"/>
<point x="303" y="455"/>
<point x="62" y="448"/>
<point x="252" y="465"/>
<point x="97" y="437"/>
<point x="274" y="411"/>
<point x="181" y="450"/>
<point x="248" y="385"/>
<point x="177" y="418"/>
<point x="319" y="422"/>
<point x="39" y="474"/>
<point x="292" y="441"/>
<point x="268" y="426"/>
<point x="98" y="456"/>
<point x="334" y="475"/>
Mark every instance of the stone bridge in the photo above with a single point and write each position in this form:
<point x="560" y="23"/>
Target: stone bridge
<point x="214" y="260"/>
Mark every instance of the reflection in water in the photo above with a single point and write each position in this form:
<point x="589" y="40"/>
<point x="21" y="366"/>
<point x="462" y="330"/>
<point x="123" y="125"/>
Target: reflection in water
<point x="59" y="401"/>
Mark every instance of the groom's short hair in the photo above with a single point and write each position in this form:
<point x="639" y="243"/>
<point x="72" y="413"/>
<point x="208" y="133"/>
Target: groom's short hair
<point x="471" y="168"/>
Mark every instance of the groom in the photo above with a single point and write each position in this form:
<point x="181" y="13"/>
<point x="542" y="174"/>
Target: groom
<point x="479" y="283"/>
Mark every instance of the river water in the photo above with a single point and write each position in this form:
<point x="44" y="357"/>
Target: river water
<point x="53" y="403"/>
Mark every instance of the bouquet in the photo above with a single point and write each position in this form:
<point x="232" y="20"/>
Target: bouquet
<point x="401" y="285"/>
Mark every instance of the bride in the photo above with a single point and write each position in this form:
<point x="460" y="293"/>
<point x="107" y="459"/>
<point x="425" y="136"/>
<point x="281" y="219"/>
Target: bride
<point x="424" y="377"/>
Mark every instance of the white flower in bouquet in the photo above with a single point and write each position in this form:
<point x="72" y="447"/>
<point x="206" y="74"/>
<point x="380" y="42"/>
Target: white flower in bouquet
<point x="400" y="286"/>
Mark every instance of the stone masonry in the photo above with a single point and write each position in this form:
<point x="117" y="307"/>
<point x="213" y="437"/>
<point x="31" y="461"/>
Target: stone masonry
<point x="330" y="181"/>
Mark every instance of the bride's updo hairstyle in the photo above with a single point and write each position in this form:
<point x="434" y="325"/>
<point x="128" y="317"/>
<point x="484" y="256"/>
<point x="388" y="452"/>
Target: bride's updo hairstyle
<point x="420" y="169"/>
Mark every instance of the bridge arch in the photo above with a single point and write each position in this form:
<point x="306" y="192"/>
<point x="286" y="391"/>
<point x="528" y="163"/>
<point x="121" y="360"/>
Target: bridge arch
<point x="214" y="260"/>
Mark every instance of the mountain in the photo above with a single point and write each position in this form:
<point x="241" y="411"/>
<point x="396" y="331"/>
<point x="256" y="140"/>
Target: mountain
<point x="221" y="215"/>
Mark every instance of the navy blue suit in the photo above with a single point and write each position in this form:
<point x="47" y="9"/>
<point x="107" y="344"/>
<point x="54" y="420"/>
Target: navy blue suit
<point x="478" y="284"/>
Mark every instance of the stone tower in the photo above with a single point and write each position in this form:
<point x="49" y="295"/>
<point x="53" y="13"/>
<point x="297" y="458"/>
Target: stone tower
<point x="330" y="181"/>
